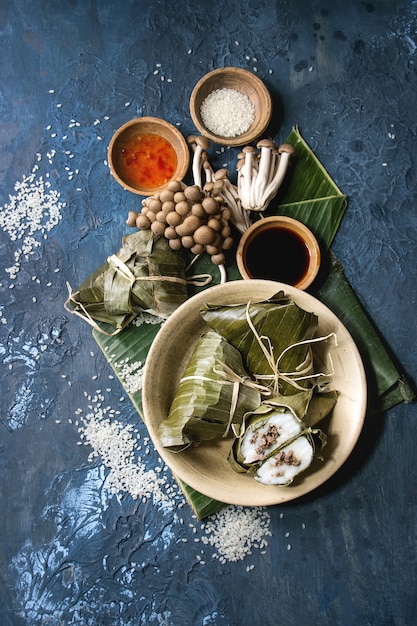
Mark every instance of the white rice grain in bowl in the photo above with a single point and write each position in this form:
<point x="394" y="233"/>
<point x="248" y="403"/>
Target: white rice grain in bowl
<point x="227" y="112"/>
<point x="231" y="106"/>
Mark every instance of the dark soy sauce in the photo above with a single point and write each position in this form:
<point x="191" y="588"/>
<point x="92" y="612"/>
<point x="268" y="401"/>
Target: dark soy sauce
<point x="279" y="254"/>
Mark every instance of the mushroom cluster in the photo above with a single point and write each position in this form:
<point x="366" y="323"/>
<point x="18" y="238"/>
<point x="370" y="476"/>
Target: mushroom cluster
<point x="197" y="216"/>
<point x="261" y="173"/>
<point x="216" y="182"/>
<point x="188" y="217"/>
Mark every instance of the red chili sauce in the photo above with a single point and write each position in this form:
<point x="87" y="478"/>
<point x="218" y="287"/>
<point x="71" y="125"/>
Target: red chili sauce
<point x="148" y="161"/>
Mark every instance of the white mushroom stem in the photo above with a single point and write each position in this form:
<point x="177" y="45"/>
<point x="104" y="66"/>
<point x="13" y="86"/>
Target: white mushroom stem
<point x="198" y="145"/>
<point x="246" y="174"/>
<point x="223" y="275"/>
<point x="274" y="164"/>
<point x="222" y="268"/>
<point x="260" y="177"/>
<point x="238" y="216"/>
<point x="266" y="147"/>
<point x="271" y="190"/>
<point x="209" y="174"/>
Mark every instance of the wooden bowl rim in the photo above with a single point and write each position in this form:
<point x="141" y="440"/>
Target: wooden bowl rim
<point x="257" y="86"/>
<point x="157" y="126"/>
<point x="294" y="225"/>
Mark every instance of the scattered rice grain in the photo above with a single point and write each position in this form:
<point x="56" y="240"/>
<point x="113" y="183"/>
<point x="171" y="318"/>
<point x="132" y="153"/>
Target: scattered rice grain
<point x="235" y="530"/>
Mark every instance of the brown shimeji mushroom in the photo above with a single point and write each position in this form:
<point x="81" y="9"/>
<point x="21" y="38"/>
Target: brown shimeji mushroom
<point x="230" y="194"/>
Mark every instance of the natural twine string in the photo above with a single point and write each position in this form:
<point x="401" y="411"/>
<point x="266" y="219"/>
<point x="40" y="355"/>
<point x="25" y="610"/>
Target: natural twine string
<point x="199" y="280"/>
<point x="302" y="370"/>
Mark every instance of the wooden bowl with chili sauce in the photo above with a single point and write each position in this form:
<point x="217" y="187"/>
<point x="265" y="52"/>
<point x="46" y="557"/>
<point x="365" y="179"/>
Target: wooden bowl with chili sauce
<point x="231" y="106"/>
<point x="146" y="153"/>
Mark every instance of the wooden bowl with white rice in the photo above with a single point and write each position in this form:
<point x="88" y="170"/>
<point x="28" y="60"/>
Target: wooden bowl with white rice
<point x="231" y="106"/>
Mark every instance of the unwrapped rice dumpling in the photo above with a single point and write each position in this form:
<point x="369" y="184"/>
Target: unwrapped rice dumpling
<point x="274" y="444"/>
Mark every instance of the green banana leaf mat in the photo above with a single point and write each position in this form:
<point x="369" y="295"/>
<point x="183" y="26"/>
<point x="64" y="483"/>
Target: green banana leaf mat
<point x="311" y="196"/>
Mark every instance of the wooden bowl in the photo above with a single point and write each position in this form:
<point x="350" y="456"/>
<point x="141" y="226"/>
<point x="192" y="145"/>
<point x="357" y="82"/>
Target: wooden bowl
<point x="128" y="133"/>
<point x="245" y="83"/>
<point x="279" y="248"/>
<point x="205" y="467"/>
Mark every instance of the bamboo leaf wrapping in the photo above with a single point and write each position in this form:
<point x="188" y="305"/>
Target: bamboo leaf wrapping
<point x="302" y="198"/>
<point x="310" y="195"/>
<point x="277" y="324"/>
<point x="207" y="403"/>
<point x="144" y="275"/>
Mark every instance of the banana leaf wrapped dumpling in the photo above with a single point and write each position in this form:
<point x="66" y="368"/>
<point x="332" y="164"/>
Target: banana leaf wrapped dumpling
<point x="274" y="444"/>
<point x="273" y="337"/>
<point x="145" y="275"/>
<point x="212" y="397"/>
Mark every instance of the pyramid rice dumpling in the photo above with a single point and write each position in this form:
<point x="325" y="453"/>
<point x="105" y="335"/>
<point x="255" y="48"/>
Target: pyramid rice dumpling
<point x="212" y="397"/>
<point x="145" y="275"/>
<point x="270" y="336"/>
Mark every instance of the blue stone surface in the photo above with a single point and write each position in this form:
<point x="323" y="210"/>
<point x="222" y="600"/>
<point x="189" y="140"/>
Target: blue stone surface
<point x="71" y="551"/>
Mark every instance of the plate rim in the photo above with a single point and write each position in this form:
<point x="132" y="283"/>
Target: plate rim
<point x="273" y="494"/>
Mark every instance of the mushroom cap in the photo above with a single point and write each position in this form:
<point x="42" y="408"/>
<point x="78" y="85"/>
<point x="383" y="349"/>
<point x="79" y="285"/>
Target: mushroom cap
<point x="170" y="233"/>
<point x="204" y="235"/>
<point x="198" y="209"/>
<point x="187" y="241"/>
<point x="193" y="193"/>
<point x="211" y="206"/>
<point x="167" y="207"/>
<point x="155" y="205"/>
<point x="166" y="195"/>
<point x="175" y="244"/>
<point x="131" y="218"/>
<point x="191" y="223"/>
<point x="183" y="208"/>
<point x="175" y="185"/>
<point x="248" y="149"/>
<point x="286" y="147"/>
<point x="197" y="248"/>
<point x="218" y="259"/>
<point x="158" y="228"/>
<point x="221" y="173"/>
<point x="265" y="143"/>
<point x="208" y="187"/>
<point x="203" y="142"/>
<point x="179" y="196"/>
<point x="173" y="218"/>
<point x="143" y="222"/>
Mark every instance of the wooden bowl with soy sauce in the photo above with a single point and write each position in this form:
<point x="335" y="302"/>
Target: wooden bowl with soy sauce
<point x="281" y="249"/>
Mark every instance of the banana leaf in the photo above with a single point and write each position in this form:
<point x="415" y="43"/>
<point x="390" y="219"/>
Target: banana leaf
<point x="388" y="385"/>
<point x="267" y="334"/>
<point x="303" y="197"/>
<point x="212" y="396"/>
<point x="145" y="275"/>
<point x="309" y="194"/>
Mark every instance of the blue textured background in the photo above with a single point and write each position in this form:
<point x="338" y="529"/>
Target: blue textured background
<point x="71" y="73"/>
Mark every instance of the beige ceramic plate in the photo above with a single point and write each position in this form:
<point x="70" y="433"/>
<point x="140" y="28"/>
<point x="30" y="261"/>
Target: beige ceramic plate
<point x="205" y="468"/>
